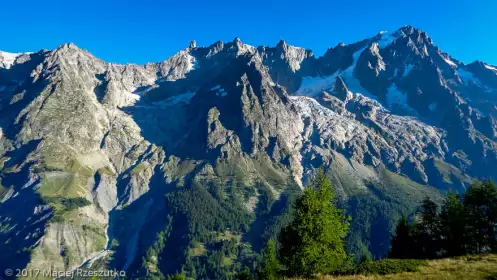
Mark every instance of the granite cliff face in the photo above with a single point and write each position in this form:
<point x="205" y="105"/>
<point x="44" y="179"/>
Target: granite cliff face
<point x="88" y="149"/>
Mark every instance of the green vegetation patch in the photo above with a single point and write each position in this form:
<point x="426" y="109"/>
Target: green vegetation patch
<point x="62" y="207"/>
<point x="198" y="250"/>
<point x="269" y="173"/>
<point x="227" y="261"/>
<point x="3" y="160"/>
<point x="106" y="171"/>
<point x="64" y="184"/>
<point x="403" y="189"/>
<point x="449" y="172"/>
<point x="142" y="166"/>
<point x="386" y="266"/>
<point x="63" y="192"/>
<point x="227" y="235"/>
<point x="234" y="169"/>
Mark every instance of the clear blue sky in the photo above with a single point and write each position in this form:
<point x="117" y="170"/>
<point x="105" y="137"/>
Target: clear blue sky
<point x="141" y="31"/>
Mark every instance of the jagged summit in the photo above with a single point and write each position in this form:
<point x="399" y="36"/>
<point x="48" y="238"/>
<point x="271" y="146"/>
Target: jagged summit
<point x="406" y="31"/>
<point x="193" y="44"/>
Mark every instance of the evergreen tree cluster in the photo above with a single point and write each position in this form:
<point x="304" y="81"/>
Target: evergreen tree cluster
<point x="465" y="224"/>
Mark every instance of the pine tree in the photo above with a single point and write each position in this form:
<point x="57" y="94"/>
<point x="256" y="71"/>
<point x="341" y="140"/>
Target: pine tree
<point x="314" y="242"/>
<point x="402" y="242"/>
<point x="480" y="204"/>
<point x="426" y="231"/>
<point x="271" y="267"/>
<point x="177" y="276"/>
<point x="453" y="226"/>
<point x="244" y="275"/>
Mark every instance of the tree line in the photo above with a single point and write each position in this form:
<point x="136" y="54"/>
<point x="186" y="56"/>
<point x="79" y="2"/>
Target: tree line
<point x="313" y="243"/>
<point x="464" y="224"/>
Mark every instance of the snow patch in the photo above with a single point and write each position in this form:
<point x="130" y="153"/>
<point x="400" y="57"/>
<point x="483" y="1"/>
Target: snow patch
<point x="219" y="91"/>
<point x="330" y="124"/>
<point x="351" y="81"/>
<point x="8" y="59"/>
<point x="467" y="76"/>
<point x="174" y="100"/>
<point x="309" y="106"/>
<point x="386" y="39"/>
<point x="192" y="63"/>
<point x="312" y="86"/>
<point x="361" y="99"/>
<point x="135" y="97"/>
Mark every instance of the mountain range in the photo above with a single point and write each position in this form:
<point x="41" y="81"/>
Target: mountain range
<point x="162" y="167"/>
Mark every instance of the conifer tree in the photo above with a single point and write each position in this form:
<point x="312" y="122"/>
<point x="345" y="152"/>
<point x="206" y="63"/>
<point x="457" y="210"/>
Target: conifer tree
<point x="426" y="230"/>
<point x="480" y="204"/>
<point x="453" y="226"/>
<point x="271" y="267"/>
<point x="314" y="241"/>
<point x="402" y="242"/>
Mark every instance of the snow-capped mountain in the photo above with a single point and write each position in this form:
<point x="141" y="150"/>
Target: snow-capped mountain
<point x="88" y="149"/>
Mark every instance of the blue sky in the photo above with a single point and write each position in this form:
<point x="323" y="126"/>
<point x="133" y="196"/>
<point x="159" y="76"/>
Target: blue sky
<point x="141" y="31"/>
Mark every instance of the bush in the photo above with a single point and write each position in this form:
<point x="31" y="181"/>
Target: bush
<point x="177" y="276"/>
<point x="62" y="205"/>
<point x="68" y="203"/>
<point x="385" y="266"/>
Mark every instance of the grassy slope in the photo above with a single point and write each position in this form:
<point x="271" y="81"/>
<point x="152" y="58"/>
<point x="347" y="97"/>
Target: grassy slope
<point x="376" y="206"/>
<point x="482" y="267"/>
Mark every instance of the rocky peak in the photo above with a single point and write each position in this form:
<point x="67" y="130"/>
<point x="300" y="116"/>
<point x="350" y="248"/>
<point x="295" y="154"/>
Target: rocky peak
<point x="416" y="34"/>
<point x="242" y="48"/>
<point x="294" y="56"/>
<point x="193" y="44"/>
<point x="340" y="90"/>
<point x="212" y="49"/>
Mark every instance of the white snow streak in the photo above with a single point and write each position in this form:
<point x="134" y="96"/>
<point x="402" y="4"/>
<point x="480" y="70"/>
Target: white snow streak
<point x="491" y="68"/>
<point x="448" y="61"/>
